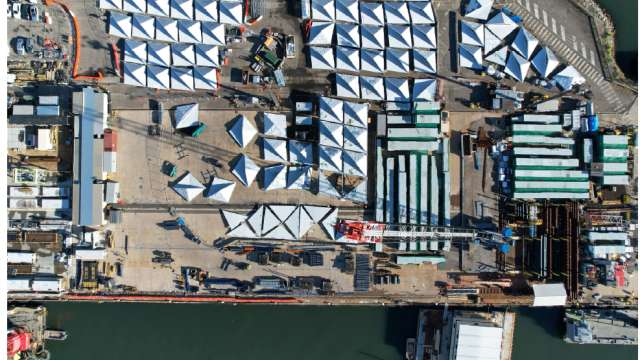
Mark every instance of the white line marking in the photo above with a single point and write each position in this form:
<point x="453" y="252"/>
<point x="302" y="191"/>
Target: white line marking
<point x="544" y="18"/>
<point x="593" y="58"/>
<point x="526" y="5"/>
<point x="535" y="11"/>
<point x="553" y="26"/>
<point x="562" y="33"/>
<point x="584" y="50"/>
<point x="575" y="42"/>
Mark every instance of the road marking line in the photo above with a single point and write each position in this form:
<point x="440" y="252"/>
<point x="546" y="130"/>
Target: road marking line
<point x="526" y="5"/>
<point x="584" y="50"/>
<point x="536" y="11"/>
<point x="593" y="57"/>
<point x="553" y="26"/>
<point x="575" y="42"/>
<point x="562" y="33"/>
<point x="544" y="18"/>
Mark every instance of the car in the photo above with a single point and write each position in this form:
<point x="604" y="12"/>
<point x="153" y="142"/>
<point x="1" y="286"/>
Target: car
<point x="15" y="9"/>
<point x="33" y="13"/>
<point x="9" y="10"/>
<point x="20" y="46"/>
<point x="162" y="260"/>
<point x="28" y="45"/>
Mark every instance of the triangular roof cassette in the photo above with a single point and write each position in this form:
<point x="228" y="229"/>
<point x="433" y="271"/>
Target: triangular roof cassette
<point x="478" y="9"/>
<point x="232" y="219"/>
<point x="421" y="12"/>
<point x="355" y="138"/>
<point x="424" y="36"/>
<point x="300" y="152"/>
<point x="182" y="78"/>
<point x="274" y="177"/>
<point x="396" y="89"/>
<point x="220" y="190"/>
<point x="372" y="60"/>
<point x="280" y="233"/>
<point x="188" y="187"/>
<point x="321" y="58"/>
<point x="159" y="54"/>
<point x="371" y="14"/>
<point x="347" y="86"/>
<point x="424" y="61"/>
<point x="470" y="56"/>
<point x="135" y="74"/>
<point x="182" y="9"/>
<point x="230" y="13"/>
<point x="424" y="89"/>
<point x="372" y="88"/>
<point x="397" y="60"/>
<point x="317" y="213"/>
<point x="119" y="25"/>
<point x="189" y="31"/>
<point x="186" y="115"/>
<point x="501" y="25"/>
<point x="331" y="109"/>
<point x="399" y="36"/>
<point x="330" y="158"/>
<point x="471" y="33"/>
<point x="347" y="10"/>
<point x="207" y="55"/>
<point x="158" y="77"/>
<point x="282" y="212"/>
<point x="348" y="35"/>
<point x="356" y="114"/>
<point x="545" y="62"/>
<point x="325" y="187"/>
<point x="347" y="59"/>
<point x="354" y="163"/>
<point x="143" y="27"/>
<point x="358" y="194"/>
<point x="242" y="131"/>
<point x="183" y="54"/>
<point x="212" y="33"/>
<point x="329" y="223"/>
<point x="305" y="223"/>
<point x="397" y="13"/>
<point x="274" y="124"/>
<point x="498" y="57"/>
<point x="299" y="177"/>
<point x="323" y="10"/>
<point x="206" y="10"/>
<point x="293" y="222"/>
<point x="274" y="149"/>
<point x="134" y="6"/>
<point x="242" y="231"/>
<point x="166" y="29"/>
<point x="270" y="221"/>
<point x="330" y="134"/>
<point x="205" y="78"/>
<point x="372" y="37"/>
<point x="321" y="33"/>
<point x="135" y="51"/>
<point x="245" y="170"/>
<point x="110" y="4"/>
<point x="158" y="8"/>
<point x="491" y="42"/>
<point x="568" y="77"/>
<point x="524" y="43"/>
<point x="255" y="220"/>
<point x="517" y="67"/>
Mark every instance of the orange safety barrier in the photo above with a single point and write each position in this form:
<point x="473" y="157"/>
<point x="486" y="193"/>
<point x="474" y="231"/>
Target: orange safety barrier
<point x="186" y="299"/>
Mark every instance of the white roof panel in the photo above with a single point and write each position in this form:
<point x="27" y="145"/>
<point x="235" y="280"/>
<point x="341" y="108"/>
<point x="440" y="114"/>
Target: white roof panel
<point x="206" y="10"/>
<point x="134" y="6"/>
<point x="182" y="79"/>
<point x="282" y="212"/>
<point x="245" y="170"/>
<point x="371" y="14"/>
<point x="491" y="42"/>
<point x="347" y="10"/>
<point x="323" y="10"/>
<point x="242" y="231"/>
<point x="372" y="88"/>
<point x="188" y="187"/>
<point x="471" y="33"/>
<point x="158" y="8"/>
<point x="397" y="60"/>
<point x="545" y="62"/>
<point x="354" y="163"/>
<point x="143" y="27"/>
<point x="397" y="89"/>
<point x="212" y="33"/>
<point x="321" y="33"/>
<point x="421" y="12"/>
<point x="207" y="55"/>
<point x="274" y="124"/>
<point x="568" y="77"/>
<point x="158" y="54"/>
<point x="501" y="25"/>
<point x="158" y="77"/>
<point x="424" y="61"/>
<point x="269" y="221"/>
<point x="478" y="9"/>
<point x="274" y="149"/>
<point x="347" y="59"/>
<point x="317" y="213"/>
<point x="321" y="58"/>
<point x="424" y="89"/>
<point x="189" y="31"/>
<point x="166" y="29"/>
<point x="186" y="115"/>
<point x="356" y="114"/>
<point x="255" y="220"/>
<point x="205" y="78"/>
<point x="298" y="177"/>
<point x="372" y="60"/>
<point x="424" y="36"/>
<point x="135" y="74"/>
<point x="355" y="138"/>
<point x="242" y="131"/>
<point x="331" y="109"/>
<point x="182" y="9"/>
<point x="330" y="134"/>
<point x="330" y="159"/>
<point x="119" y="25"/>
<point x="399" y="36"/>
<point x="135" y="51"/>
<point x="220" y="190"/>
<point x="524" y="43"/>
<point x="231" y="13"/>
<point x="300" y="152"/>
<point x="183" y="54"/>
<point x="274" y="177"/>
<point x="517" y="67"/>
<point x="111" y="4"/>
<point x="347" y="86"/>
<point x="470" y="56"/>
<point x="372" y="37"/>
<point x="498" y="57"/>
<point x="280" y="232"/>
<point x="397" y="13"/>
<point x="348" y="35"/>
<point x="232" y="219"/>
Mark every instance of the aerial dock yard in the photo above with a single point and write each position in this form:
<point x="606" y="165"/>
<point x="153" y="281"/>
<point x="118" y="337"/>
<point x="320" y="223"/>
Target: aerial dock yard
<point x="322" y="152"/>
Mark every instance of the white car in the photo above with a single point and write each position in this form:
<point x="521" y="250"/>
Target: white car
<point x="15" y="9"/>
<point x="9" y="13"/>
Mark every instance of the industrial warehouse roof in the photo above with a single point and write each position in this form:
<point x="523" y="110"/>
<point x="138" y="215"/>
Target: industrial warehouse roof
<point x="424" y="89"/>
<point x="242" y="131"/>
<point x="329" y="223"/>
<point x="205" y="78"/>
<point x="241" y="231"/>
<point x="354" y="163"/>
<point x="396" y="13"/>
<point x="300" y="152"/>
<point x="330" y="134"/>
<point x="524" y="43"/>
<point x="158" y="7"/>
<point x="158" y="54"/>
<point x="206" y="10"/>
<point x="470" y="56"/>
<point x="498" y="57"/>
<point x="421" y="12"/>
<point x="491" y="42"/>
<point x="274" y="149"/>
<point x="355" y="138"/>
<point x="119" y="25"/>
<point x="212" y="33"/>
<point x="158" y="77"/>
<point x="188" y="187"/>
<point x="517" y="67"/>
<point x="348" y="35"/>
<point x="399" y="36"/>
<point x="473" y="340"/>
<point x="231" y="13"/>
<point x="330" y="158"/>
<point x="347" y="10"/>
<point x="111" y="4"/>
<point x="134" y="6"/>
<point x="245" y="170"/>
<point x="321" y="33"/>
<point x="372" y="88"/>
<point x="478" y="9"/>
<point x="347" y="59"/>
<point x="372" y="37"/>
<point x="424" y="36"/>
<point x="207" y="55"/>
<point x="186" y="115"/>
<point x="135" y="51"/>
<point x="282" y="212"/>
<point x="396" y="89"/>
<point x="189" y="31"/>
<point x="355" y="114"/>
<point x="397" y="60"/>
<point x="232" y="219"/>
<point x="143" y="27"/>
<point x="323" y="10"/>
<point x="274" y="177"/>
<point x="255" y="220"/>
<point x="424" y="61"/>
<point x="371" y="14"/>
<point x="220" y="190"/>
<point x="298" y="177"/>
<point x="331" y="109"/>
<point x="166" y="29"/>
<point x="501" y="25"/>
<point x="299" y="222"/>
<point x="471" y="33"/>
<point x="274" y="124"/>
<point x="568" y="77"/>
<point x="549" y="295"/>
<point x="347" y="86"/>
<point x="372" y="60"/>
<point x="269" y="221"/>
<point x="182" y="9"/>
<point x="183" y="54"/>
<point x="317" y="213"/>
<point x="321" y="58"/>
<point x="135" y="74"/>
<point x="545" y="62"/>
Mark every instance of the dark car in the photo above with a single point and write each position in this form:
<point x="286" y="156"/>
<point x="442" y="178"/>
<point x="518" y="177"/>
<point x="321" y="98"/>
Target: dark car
<point x="20" y="50"/>
<point x="28" y="45"/>
<point x="33" y="13"/>
<point x="162" y="260"/>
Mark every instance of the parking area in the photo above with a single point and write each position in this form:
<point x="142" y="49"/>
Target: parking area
<point x="31" y="37"/>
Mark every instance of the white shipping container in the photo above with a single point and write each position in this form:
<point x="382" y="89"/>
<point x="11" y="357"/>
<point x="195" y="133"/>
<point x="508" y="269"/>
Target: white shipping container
<point x="109" y="161"/>
<point x="91" y="254"/>
<point x="47" y="100"/>
<point x="55" y="191"/>
<point x="57" y="203"/>
<point x="23" y="110"/>
<point x="47" y="285"/>
<point x="18" y="285"/>
<point x="23" y="191"/>
<point x="14" y="257"/>
<point x="614" y="139"/>
<point x="112" y="192"/>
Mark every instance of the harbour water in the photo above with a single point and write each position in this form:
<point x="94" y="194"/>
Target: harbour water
<point x="212" y="331"/>
<point x="625" y="19"/>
